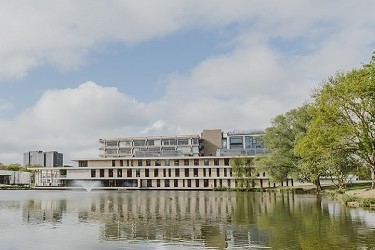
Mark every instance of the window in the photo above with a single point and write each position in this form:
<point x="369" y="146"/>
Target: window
<point x="195" y="141"/>
<point x="166" y="183"/>
<point x="164" y="172"/>
<point x="148" y="163"/>
<point x="225" y="172"/>
<point x="158" y="182"/>
<point x="111" y="151"/>
<point x="111" y="143"/>
<point x="82" y="164"/>
<point x="138" y="172"/>
<point x="101" y="172"/>
<point x="226" y="162"/>
<point x="113" y="163"/>
<point x="93" y="172"/>
<point x="186" y="172"/>
<point x="129" y="173"/>
<point x="167" y="162"/>
<point x="186" y="162"/>
<point x="228" y="182"/>
<point x="119" y="172"/>
<point x="125" y="144"/>
<point x="175" y="183"/>
<point x="204" y="172"/>
<point x="127" y="163"/>
<point x="236" y="142"/>
<point x="216" y="162"/>
<point x="209" y="172"/>
<point x="131" y="163"/>
<point x="218" y="172"/>
<point x="177" y="162"/>
<point x="150" y="143"/>
<point x="196" y="162"/>
<point x="197" y="183"/>
<point x="156" y="172"/>
<point x="169" y="142"/>
<point x="189" y="182"/>
<point x="139" y="143"/>
<point x="139" y="162"/>
<point x="149" y="183"/>
<point x="110" y="172"/>
<point x="169" y="172"/>
<point x="206" y="162"/>
<point x="121" y="163"/>
<point x="205" y="183"/>
<point x="157" y="162"/>
<point x="177" y="172"/>
<point x="147" y="172"/>
<point x="195" y="172"/>
<point x="125" y="151"/>
<point x="182" y="142"/>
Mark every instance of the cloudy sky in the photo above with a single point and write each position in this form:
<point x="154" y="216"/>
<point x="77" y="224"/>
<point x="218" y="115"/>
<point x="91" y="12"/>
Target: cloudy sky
<point x="72" y="72"/>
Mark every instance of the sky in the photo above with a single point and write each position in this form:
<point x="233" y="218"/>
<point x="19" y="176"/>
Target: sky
<point x="72" y="72"/>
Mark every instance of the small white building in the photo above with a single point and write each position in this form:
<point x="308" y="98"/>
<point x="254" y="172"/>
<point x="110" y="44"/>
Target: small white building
<point x="8" y="177"/>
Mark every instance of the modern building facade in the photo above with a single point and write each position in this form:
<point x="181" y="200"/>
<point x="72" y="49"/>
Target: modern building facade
<point x="43" y="159"/>
<point x="161" y="162"/>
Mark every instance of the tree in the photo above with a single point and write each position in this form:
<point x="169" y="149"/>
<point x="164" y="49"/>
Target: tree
<point x="243" y="171"/>
<point x="343" y="120"/>
<point x="280" y="140"/>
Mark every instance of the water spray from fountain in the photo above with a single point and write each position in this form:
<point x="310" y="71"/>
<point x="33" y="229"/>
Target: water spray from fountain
<point x="87" y="185"/>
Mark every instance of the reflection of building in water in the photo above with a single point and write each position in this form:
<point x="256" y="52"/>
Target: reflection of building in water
<point x="163" y="162"/>
<point x="199" y="217"/>
<point x="41" y="211"/>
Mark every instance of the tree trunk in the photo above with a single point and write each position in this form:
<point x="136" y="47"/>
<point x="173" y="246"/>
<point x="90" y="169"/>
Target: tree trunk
<point x="373" y="177"/>
<point x="317" y="184"/>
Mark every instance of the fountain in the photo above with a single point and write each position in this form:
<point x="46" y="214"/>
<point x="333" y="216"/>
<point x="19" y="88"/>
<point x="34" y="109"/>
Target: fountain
<point x="87" y="185"/>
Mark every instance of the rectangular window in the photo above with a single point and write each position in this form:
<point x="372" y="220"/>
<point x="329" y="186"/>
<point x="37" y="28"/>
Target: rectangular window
<point x="196" y="162"/>
<point x="209" y="172"/>
<point x="110" y="172"/>
<point x="206" y="162"/>
<point x="169" y="172"/>
<point x="121" y="163"/>
<point x="150" y="143"/>
<point x="148" y="163"/>
<point x="139" y="143"/>
<point x="166" y="183"/>
<point x="236" y="142"/>
<point x="195" y="172"/>
<point x="183" y="142"/>
<point x="177" y="162"/>
<point x="157" y="162"/>
<point x="147" y="172"/>
<point x="167" y="162"/>
<point x="156" y="172"/>
<point x="228" y="182"/>
<point x="196" y="183"/>
<point x="139" y="162"/>
<point x="186" y="172"/>
<point x="186" y="162"/>
<point x="195" y="141"/>
<point x="225" y="172"/>
<point x="220" y="183"/>
<point x="216" y="162"/>
<point x="158" y="182"/>
<point x="215" y="185"/>
<point x="111" y="143"/>
<point x="149" y="183"/>
<point x="205" y="183"/>
<point x="177" y="172"/>
<point x="113" y="163"/>
<point x="226" y="162"/>
<point x="129" y="173"/>
<point x="204" y="172"/>
<point x="189" y="182"/>
<point x="131" y="163"/>
<point x="101" y="172"/>
<point x="93" y="172"/>
<point x="175" y="183"/>
<point x="218" y="172"/>
<point x="82" y="164"/>
<point x="119" y="172"/>
<point x="138" y="172"/>
<point x="164" y="172"/>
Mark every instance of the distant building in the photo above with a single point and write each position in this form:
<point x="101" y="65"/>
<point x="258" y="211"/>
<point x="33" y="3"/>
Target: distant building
<point x="43" y="159"/>
<point x="8" y="177"/>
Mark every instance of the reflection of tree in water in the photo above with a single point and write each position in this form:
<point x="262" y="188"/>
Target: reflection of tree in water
<point x="301" y="222"/>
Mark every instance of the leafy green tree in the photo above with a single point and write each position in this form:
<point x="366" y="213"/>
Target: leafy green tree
<point x="344" y="119"/>
<point x="243" y="171"/>
<point x="15" y="167"/>
<point x="280" y="140"/>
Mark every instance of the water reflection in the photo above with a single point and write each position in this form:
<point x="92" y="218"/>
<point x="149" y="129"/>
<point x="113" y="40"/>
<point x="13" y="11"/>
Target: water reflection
<point x="181" y="219"/>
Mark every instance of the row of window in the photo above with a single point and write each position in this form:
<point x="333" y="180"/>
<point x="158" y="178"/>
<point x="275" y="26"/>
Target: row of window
<point x="163" y="172"/>
<point x="187" y="183"/>
<point x="168" y="162"/>
<point x="150" y="142"/>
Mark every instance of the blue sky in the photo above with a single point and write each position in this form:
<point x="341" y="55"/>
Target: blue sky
<point x="73" y="72"/>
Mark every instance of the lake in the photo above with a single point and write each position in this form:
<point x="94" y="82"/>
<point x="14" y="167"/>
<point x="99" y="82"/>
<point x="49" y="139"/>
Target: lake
<point x="31" y="219"/>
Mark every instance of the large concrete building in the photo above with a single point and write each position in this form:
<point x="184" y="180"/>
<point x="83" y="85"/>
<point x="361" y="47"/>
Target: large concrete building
<point x="161" y="162"/>
<point x="43" y="159"/>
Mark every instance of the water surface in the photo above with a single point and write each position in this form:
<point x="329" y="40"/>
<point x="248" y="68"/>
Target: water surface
<point x="179" y="220"/>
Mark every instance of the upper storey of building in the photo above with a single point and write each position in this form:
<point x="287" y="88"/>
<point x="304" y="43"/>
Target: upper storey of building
<point x="212" y="142"/>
